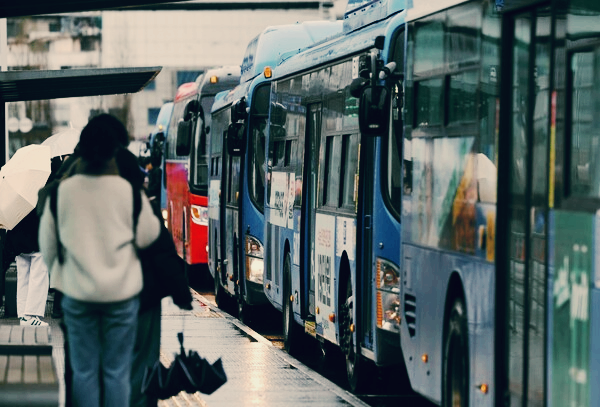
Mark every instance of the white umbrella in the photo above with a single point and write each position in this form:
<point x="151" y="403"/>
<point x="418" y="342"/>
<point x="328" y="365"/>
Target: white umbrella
<point x="20" y="180"/>
<point x="64" y="142"/>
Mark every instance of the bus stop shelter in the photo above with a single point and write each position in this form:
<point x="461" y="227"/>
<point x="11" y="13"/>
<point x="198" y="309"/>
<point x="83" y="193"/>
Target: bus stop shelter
<point x="18" y="86"/>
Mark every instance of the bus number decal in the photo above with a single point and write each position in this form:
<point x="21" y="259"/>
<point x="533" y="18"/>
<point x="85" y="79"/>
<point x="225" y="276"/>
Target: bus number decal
<point x="296" y="254"/>
<point x="290" y="200"/>
<point x="324" y="279"/>
<point x="325" y="229"/>
<point x="213" y="199"/>
<point x="278" y="199"/>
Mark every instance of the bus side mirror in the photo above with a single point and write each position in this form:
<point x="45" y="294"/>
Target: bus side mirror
<point x="159" y="138"/>
<point x="184" y="138"/>
<point x="191" y="110"/>
<point x="235" y="139"/>
<point x="373" y="110"/>
<point x="278" y="114"/>
<point x="238" y="110"/>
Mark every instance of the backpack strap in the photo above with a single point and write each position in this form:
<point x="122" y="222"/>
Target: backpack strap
<point x="54" y="212"/>
<point x="137" y="208"/>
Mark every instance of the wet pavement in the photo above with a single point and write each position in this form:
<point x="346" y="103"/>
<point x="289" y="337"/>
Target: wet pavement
<point x="258" y="373"/>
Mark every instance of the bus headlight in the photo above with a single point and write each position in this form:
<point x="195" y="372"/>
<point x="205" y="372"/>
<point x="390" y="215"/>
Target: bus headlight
<point x="165" y="215"/>
<point x="388" y="296"/>
<point x="254" y="260"/>
<point x="199" y="215"/>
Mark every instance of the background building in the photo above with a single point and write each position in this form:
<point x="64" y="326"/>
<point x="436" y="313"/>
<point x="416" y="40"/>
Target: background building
<point x="184" y="42"/>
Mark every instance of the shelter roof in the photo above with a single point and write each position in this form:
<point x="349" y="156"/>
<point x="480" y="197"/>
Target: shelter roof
<point x="55" y="84"/>
<point x="35" y="7"/>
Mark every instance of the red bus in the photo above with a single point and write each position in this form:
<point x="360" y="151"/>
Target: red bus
<point x="186" y="162"/>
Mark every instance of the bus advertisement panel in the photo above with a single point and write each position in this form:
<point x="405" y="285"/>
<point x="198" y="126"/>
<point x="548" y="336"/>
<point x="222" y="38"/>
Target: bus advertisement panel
<point x="186" y="162"/>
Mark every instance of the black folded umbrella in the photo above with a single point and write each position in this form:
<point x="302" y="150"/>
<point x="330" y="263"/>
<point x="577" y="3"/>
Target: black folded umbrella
<point x="154" y="382"/>
<point x="189" y="373"/>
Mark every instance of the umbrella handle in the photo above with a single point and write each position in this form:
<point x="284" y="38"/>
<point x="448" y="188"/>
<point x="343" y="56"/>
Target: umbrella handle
<point x="180" y="337"/>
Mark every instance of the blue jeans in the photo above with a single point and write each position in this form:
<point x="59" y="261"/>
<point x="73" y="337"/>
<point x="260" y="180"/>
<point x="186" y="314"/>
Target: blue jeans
<point x="101" y="338"/>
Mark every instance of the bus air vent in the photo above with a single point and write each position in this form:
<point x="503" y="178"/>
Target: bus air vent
<point x="410" y="313"/>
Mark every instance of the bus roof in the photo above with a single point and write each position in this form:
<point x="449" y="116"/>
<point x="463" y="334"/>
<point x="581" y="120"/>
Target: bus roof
<point x="360" y="13"/>
<point x="227" y="97"/>
<point x="266" y="48"/>
<point x="339" y="47"/>
<point x="186" y="90"/>
<point x="218" y="79"/>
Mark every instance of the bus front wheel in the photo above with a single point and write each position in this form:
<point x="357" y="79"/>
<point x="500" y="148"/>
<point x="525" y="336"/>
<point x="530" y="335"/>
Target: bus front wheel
<point x="219" y="294"/>
<point x="244" y="310"/>
<point x="355" y="364"/>
<point x="455" y="388"/>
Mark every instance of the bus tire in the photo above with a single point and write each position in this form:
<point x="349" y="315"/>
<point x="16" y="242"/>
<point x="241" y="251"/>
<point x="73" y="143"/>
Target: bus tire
<point x="355" y="363"/>
<point x="455" y="378"/>
<point x="219" y="294"/>
<point x="290" y="328"/>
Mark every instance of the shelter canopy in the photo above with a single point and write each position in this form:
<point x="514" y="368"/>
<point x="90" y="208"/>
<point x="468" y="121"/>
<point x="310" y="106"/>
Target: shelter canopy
<point x="54" y="84"/>
<point x="20" y="8"/>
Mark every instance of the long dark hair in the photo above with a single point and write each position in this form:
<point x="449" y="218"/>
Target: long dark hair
<point x="100" y="139"/>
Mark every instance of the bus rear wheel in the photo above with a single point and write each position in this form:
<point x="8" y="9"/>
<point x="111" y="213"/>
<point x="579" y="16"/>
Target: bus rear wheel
<point x="244" y="310"/>
<point x="455" y="388"/>
<point x="290" y="328"/>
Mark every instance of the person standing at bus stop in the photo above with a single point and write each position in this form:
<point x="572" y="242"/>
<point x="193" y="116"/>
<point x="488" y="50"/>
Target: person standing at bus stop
<point x="32" y="273"/>
<point x="90" y="250"/>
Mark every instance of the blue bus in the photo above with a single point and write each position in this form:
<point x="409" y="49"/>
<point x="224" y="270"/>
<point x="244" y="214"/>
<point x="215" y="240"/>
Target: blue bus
<point x="156" y="142"/>
<point x="237" y="166"/>
<point x="466" y="229"/>
<point x="332" y="211"/>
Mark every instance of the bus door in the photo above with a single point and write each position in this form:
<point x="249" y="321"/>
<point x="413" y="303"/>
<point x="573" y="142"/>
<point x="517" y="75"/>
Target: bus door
<point x="523" y="200"/>
<point x="309" y="204"/>
<point x="230" y="243"/>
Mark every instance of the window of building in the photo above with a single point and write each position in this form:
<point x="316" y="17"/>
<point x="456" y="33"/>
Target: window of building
<point x="150" y="86"/>
<point x="187" y="76"/>
<point x="153" y="115"/>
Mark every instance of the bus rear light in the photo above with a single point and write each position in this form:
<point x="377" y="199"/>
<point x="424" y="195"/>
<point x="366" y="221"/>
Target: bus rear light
<point x="332" y="318"/>
<point x="199" y="215"/>
<point x="387" y="296"/>
<point x="254" y="260"/>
